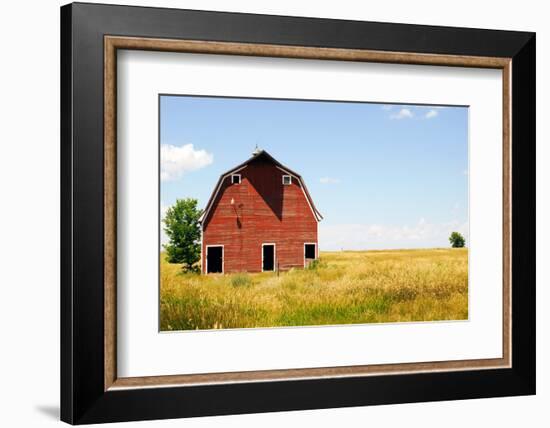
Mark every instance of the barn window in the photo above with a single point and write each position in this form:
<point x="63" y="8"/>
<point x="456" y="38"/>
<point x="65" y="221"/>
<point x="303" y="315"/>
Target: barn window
<point x="287" y="180"/>
<point x="235" y="178"/>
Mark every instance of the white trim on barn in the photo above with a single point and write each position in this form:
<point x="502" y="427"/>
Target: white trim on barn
<point x="202" y="249"/>
<point x="235" y="175"/>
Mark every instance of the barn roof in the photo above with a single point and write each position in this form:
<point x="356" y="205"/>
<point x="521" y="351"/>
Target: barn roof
<point x="261" y="154"/>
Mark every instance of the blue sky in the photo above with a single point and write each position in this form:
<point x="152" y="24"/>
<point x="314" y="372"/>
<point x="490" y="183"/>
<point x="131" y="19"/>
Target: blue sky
<point x="382" y="175"/>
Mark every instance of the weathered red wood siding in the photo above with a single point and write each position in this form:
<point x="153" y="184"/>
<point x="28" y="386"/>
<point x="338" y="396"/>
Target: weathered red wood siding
<point x="264" y="211"/>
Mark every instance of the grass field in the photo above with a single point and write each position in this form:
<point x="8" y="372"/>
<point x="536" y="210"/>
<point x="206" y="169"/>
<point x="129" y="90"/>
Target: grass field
<point x="342" y="288"/>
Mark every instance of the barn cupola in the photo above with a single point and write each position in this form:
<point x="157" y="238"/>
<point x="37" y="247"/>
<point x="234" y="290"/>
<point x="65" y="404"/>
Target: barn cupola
<point x="256" y="151"/>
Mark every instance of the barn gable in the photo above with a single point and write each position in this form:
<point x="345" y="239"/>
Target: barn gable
<point x="260" y="156"/>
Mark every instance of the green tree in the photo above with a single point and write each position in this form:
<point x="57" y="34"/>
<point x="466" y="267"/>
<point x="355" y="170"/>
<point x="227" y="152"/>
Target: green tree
<point x="181" y="224"/>
<point x="457" y="240"/>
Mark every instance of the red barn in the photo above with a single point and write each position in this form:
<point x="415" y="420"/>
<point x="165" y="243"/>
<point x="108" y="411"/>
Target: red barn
<point x="260" y="217"/>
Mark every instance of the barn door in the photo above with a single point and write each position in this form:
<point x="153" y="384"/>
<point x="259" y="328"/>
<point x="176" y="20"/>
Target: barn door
<point x="214" y="259"/>
<point x="268" y="257"/>
<point x="309" y="253"/>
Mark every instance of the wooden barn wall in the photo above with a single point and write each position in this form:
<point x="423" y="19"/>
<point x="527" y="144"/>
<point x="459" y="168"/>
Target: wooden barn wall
<point x="264" y="211"/>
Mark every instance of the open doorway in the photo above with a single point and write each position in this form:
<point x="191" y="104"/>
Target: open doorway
<point x="310" y="253"/>
<point x="214" y="259"/>
<point x="268" y="257"/>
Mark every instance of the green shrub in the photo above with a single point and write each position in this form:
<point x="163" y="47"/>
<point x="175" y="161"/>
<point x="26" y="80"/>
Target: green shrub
<point x="241" y="280"/>
<point x="314" y="265"/>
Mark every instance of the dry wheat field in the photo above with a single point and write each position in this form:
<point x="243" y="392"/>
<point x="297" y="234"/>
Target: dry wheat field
<point x="346" y="287"/>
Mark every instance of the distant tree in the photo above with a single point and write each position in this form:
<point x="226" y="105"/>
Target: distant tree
<point x="181" y="224"/>
<point x="457" y="240"/>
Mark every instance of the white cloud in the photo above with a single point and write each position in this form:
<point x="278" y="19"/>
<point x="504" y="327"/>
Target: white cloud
<point x="404" y="113"/>
<point x="178" y="160"/>
<point x="386" y="107"/>
<point x="329" y="180"/>
<point x="431" y="114"/>
<point x="381" y="236"/>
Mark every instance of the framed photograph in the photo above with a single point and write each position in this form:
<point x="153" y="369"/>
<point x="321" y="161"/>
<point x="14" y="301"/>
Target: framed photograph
<point x="265" y="213"/>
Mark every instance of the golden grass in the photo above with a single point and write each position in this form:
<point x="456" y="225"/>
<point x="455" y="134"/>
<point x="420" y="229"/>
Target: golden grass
<point x="343" y="288"/>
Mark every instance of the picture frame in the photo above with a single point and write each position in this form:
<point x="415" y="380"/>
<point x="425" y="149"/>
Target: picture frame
<point x="91" y="391"/>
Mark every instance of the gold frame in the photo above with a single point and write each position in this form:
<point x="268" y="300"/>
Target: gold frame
<point x="112" y="43"/>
